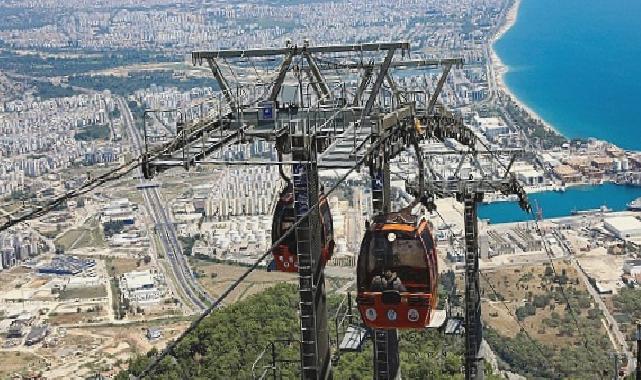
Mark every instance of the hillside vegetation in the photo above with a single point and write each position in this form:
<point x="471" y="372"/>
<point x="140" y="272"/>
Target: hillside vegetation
<point x="227" y="343"/>
<point x="536" y="297"/>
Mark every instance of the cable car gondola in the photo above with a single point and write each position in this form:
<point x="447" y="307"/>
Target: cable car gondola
<point x="397" y="273"/>
<point x="285" y="258"/>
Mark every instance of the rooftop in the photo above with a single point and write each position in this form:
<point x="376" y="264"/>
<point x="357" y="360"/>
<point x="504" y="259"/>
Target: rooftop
<point x="139" y="280"/>
<point x="624" y="223"/>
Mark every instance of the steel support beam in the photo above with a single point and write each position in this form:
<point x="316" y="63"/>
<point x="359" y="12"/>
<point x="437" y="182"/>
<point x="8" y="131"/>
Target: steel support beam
<point x="313" y="83"/>
<point x="318" y="77"/>
<point x="439" y="88"/>
<point x="458" y="152"/>
<point x="315" y="344"/>
<point x="282" y="72"/>
<point x="326" y="64"/>
<point x="255" y="53"/>
<point x="222" y="82"/>
<point x="394" y="88"/>
<point x="414" y="140"/>
<point x="474" y="364"/>
<point x="386" y="357"/>
<point x="367" y="76"/>
<point x="376" y="87"/>
<point x="380" y="174"/>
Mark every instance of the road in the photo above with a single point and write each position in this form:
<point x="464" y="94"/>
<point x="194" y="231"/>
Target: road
<point x="164" y="227"/>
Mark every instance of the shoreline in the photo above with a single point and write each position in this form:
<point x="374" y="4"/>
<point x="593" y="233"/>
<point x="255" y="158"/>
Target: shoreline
<point x="558" y="219"/>
<point x="500" y="69"/>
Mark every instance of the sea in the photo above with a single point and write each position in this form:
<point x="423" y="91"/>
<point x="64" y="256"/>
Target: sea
<point x="576" y="64"/>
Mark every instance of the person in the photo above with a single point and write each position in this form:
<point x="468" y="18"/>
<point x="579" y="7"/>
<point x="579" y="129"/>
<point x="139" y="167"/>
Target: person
<point x="393" y="282"/>
<point x="378" y="284"/>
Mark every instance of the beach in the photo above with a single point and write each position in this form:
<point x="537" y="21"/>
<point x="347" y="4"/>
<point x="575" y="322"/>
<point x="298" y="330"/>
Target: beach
<point x="500" y="69"/>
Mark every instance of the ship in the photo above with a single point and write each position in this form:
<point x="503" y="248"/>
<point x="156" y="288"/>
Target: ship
<point x="635" y="205"/>
<point x="603" y="209"/>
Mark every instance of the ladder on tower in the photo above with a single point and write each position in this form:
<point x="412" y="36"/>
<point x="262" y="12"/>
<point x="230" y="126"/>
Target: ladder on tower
<point x="473" y="329"/>
<point x="386" y="359"/>
<point x="306" y="282"/>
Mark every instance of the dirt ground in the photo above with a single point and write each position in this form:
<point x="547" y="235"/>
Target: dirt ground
<point x="9" y="279"/>
<point x="84" y="293"/>
<point x="514" y="284"/>
<point x="256" y="282"/>
<point x="604" y="268"/>
<point x="18" y="362"/>
<point x="38" y="282"/>
<point x="68" y="238"/>
<point x="125" y="265"/>
<point x="74" y="318"/>
<point x="87" y="350"/>
<point x="89" y="235"/>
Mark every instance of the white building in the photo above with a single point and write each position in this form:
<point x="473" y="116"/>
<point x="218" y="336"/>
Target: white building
<point x="141" y="288"/>
<point x="529" y="175"/>
<point x="624" y="227"/>
<point x="492" y="127"/>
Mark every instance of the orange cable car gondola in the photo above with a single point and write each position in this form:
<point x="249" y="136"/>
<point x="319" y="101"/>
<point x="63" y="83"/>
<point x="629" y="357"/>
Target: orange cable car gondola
<point x="397" y="272"/>
<point x="285" y="257"/>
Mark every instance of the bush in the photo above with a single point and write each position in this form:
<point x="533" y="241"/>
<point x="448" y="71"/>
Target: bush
<point x="112" y="228"/>
<point x="594" y="313"/>
<point x="93" y="132"/>
<point x="541" y="301"/>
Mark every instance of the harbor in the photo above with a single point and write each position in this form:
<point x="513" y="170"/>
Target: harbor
<point x="556" y="204"/>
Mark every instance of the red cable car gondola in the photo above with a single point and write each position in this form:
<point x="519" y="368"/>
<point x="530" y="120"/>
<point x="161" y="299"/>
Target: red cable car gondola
<point x="397" y="274"/>
<point x="285" y="258"/>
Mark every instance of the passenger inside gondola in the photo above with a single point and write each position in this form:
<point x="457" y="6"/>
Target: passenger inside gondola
<point x="396" y="262"/>
<point x="394" y="282"/>
<point x="388" y="281"/>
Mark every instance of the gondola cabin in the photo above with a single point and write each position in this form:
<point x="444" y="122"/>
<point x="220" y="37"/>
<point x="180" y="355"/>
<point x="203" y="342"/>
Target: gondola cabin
<point x="285" y="257"/>
<point x="397" y="273"/>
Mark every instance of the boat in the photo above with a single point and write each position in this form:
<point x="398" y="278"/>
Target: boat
<point x="603" y="209"/>
<point x="635" y="205"/>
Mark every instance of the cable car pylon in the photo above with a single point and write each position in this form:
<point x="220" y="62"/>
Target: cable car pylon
<point x="470" y="191"/>
<point x="326" y="135"/>
<point x="378" y="131"/>
<point x="386" y="358"/>
<point x="474" y="364"/>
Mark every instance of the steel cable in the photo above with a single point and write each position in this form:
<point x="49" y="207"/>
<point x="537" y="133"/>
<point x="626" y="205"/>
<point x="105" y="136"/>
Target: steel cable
<point x="156" y="360"/>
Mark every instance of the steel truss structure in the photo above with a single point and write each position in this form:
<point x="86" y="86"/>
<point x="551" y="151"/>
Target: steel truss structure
<point x="364" y="120"/>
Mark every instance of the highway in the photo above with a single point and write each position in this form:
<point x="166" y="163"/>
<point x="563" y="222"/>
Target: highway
<point x="185" y="279"/>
